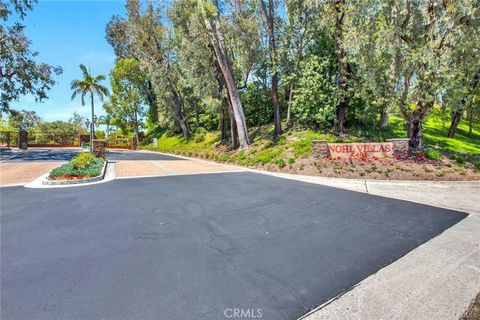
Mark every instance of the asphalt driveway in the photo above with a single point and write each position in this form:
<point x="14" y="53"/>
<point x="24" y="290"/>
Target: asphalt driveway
<point x="197" y="246"/>
<point x="42" y="155"/>
<point x="119" y="155"/>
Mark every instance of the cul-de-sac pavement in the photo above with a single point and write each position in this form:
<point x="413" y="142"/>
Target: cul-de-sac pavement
<point x="164" y="237"/>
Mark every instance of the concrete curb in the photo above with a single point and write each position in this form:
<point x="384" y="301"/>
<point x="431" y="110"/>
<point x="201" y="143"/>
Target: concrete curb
<point x="78" y="181"/>
<point x="108" y="175"/>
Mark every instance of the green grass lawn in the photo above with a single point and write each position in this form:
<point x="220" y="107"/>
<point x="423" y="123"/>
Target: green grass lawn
<point x="435" y="132"/>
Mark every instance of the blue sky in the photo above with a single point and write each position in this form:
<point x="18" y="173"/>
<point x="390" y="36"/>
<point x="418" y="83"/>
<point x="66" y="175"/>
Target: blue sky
<point x="67" y="33"/>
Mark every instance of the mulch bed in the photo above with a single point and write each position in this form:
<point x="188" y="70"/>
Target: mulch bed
<point x="382" y="169"/>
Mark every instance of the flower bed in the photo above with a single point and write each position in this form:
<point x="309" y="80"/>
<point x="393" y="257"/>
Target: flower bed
<point x="83" y="166"/>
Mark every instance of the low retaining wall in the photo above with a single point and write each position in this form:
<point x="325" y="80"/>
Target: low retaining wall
<point x="400" y="146"/>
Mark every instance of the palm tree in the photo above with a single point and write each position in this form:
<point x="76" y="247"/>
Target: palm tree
<point x="106" y="120"/>
<point x="89" y="84"/>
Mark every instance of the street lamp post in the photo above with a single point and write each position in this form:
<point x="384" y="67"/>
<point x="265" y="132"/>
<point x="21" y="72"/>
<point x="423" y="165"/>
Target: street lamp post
<point x="89" y="125"/>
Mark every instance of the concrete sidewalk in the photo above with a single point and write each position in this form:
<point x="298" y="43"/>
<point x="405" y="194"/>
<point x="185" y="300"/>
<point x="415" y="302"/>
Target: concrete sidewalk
<point x="457" y="195"/>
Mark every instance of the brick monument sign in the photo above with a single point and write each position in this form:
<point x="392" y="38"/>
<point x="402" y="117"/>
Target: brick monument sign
<point x="323" y="149"/>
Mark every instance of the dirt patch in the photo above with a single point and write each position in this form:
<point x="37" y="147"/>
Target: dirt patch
<point x="473" y="312"/>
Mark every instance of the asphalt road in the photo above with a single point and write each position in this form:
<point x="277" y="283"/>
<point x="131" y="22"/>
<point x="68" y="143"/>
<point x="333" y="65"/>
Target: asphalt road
<point x="197" y="246"/>
<point x="6" y="153"/>
<point x="129" y="155"/>
<point x="39" y="155"/>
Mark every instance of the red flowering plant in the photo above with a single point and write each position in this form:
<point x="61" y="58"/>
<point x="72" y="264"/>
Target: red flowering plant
<point x="420" y="157"/>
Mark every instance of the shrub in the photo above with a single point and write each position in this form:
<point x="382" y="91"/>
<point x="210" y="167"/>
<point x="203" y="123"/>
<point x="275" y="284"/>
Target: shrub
<point x="257" y="105"/>
<point x="460" y="159"/>
<point x="200" y="135"/>
<point x="83" y="160"/>
<point x="266" y="156"/>
<point x="433" y="155"/>
<point x="302" y="148"/>
<point x="477" y="165"/>
<point x="316" y="94"/>
<point x="281" y="163"/>
<point x="170" y="133"/>
<point x="69" y="171"/>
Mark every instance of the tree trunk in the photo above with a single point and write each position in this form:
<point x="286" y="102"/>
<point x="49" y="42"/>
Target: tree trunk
<point x="152" y="102"/>
<point x="414" y="125"/>
<point x="456" y="116"/>
<point x="92" y="126"/>
<point x="226" y="70"/>
<point x="269" y="16"/>
<point x="197" y="114"/>
<point x="135" y="125"/>
<point x="233" y="126"/>
<point x="178" y="116"/>
<point x="341" y="56"/>
<point x="289" y="104"/>
<point x="470" y="122"/>
<point x="383" y="122"/>
<point x="340" y="114"/>
<point x="415" y="134"/>
<point x="221" y="125"/>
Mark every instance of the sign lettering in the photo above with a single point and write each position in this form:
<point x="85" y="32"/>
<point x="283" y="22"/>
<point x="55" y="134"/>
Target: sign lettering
<point x="360" y="150"/>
